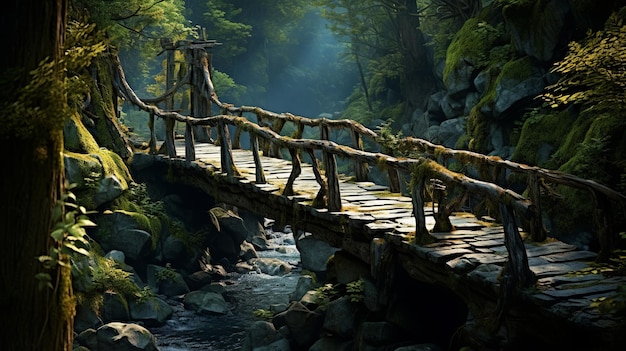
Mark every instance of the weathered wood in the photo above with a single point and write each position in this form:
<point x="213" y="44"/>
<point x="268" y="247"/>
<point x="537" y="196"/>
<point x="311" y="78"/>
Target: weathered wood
<point x="421" y="232"/>
<point x="226" y="152"/>
<point x="360" y="169"/>
<point x="320" y="198"/>
<point x="153" y="139"/>
<point x="604" y="226"/>
<point x="517" y="265"/>
<point x="296" y="170"/>
<point x="258" y="165"/>
<point x="332" y="177"/>
<point x="536" y="229"/>
<point x="393" y="175"/>
<point x="190" y="151"/>
<point x="170" y="123"/>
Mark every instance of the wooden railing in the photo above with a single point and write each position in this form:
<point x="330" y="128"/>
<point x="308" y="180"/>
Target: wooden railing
<point x="422" y="168"/>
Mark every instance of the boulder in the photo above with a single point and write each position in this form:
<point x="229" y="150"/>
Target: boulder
<point x="88" y="338"/>
<point x="248" y="251"/>
<point x="124" y="231"/>
<point x="166" y="281"/>
<point x="271" y="266"/>
<point x="327" y="343"/>
<point x="197" y="280"/>
<point x="260" y="333"/>
<point x="451" y="130"/>
<point x="114" y="307"/>
<point x="340" y="317"/>
<point x="459" y="79"/>
<point x="205" y="302"/>
<point x="86" y="318"/>
<point x="304" y="325"/>
<point x="314" y="253"/>
<point x="378" y="333"/>
<point x="452" y="107"/>
<point x="125" y="337"/>
<point x="116" y="255"/>
<point x="278" y="345"/>
<point x="519" y="80"/>
<point x="173" y="249"/>
<point x="108" y="189"/>
<point x="305" y="283"/>
<point x="152" y="312"/>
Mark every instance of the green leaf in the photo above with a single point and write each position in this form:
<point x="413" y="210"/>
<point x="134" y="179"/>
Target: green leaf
<point x="76" y="249"/>
<point x="58" y="234"/>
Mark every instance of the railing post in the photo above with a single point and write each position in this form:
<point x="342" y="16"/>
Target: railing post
<point x="334" y="194"/>
<point x="537" y="231"/>
<point x="259" y="173"/>
<point x="170" y="123"/>
<point x="277" y="127"/>
<point x="516" y="268"/>
<point x="360" y="168"/>
<point x="422" y="236"/>
<point x="392" y="173"/>
<point x="190" y="151"/>
<point x="153" y="139"/>
<point x="296" y="169"/>
<point x="169" y="137"/>
<point x="319" y="201"/>
<point x="226" y="153"/>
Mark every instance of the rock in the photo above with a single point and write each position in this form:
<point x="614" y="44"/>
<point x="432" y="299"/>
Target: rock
<point x="217" y="288"/>
<point x="86" y="318"/>
<point x="141" y="161"/>
<point x="116" y="255"/>
<point x="340" y="316"/>
<point x="314" y="253"/>
<point x="205" y="302"/>
<point x="166" y="280"/>
<point x="451" y="130"/>
<point x="459" y="79"/>
<point x="152" y="312"/>
<point x="371" y="296"/>
<point x="114" y="307"/>
<point x="519" y="80"/>
<point x="310" y="300"/>
<point x="125" y="337"/>
<point x="260" y="333"/>
<point x="109" y="188"/>
<point x="378" y="333"/>
<point x="351" y="269"/>
<point x="278" y="345"/>
<point x="124" y="231"/>
<point x="247" y="251"/>
<point x="271" y="266"/>
<point x="420" y="347"/>
<point x="230" y="224"/>
<point x="173" y="249"/>
<point x="198" y="279"/>
<point x="304" y="325"/>
<point x="452" y="107"/>
<point x="88" y="338"/>
<point x="327" y="343"/>
<point x="305" y="283"/>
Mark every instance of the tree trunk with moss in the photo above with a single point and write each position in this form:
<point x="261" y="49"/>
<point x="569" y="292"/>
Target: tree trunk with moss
<point x="32" y="178"/>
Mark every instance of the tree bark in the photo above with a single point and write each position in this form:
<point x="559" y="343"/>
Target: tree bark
<point x="32" y="178"/>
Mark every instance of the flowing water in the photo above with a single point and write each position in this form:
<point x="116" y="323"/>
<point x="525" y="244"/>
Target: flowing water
<point x="245" y="293"/>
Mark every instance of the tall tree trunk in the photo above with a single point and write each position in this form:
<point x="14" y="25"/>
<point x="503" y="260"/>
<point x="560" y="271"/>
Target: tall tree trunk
<point x="32" y="177"/>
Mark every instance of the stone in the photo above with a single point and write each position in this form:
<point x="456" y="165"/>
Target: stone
<point x="166" y="280"/>
<point x="87" y="338"/>
<point x="512" y="90"/>
<point x="125" y="337"/>
<point x="314" y="253"/>
<point x="247" y="251"/>
<point x="197" y="280"/>
<point x="459" y="80"/>
<point x="420" y="347"/>
<point x="350" y="270"/>
<point x="271" y="266"/>
<point x="86" y="318"/>
<point x="260" y="333"/>
<point x="328" y="343"/>
<point x="116" y="255"/>
<point x="304" y="325"/>
<point x="340" y="317"/>
<point x="451" y="130"/>
<point x="452" y="107"/>
<point x="278" y="345"/>
<point x="305" y="283"/>
<point x="123" y="231"/>
<point x="378" y="333"/>
<point x="152" y="312"/>
<point x="206" y="302"/>
<point x="173" y="249"/>
<point x="114" y="307"/>
<point x="310" y="300"/>
<point x="108" y="189"/>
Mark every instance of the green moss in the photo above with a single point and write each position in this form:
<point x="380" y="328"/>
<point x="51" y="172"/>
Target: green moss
<point x="141" y="219"/>
<point x="478" y="130"/>
<point x="541" y="131"/>
<point x="77" y="138"/>
<point x="473" y="42"/>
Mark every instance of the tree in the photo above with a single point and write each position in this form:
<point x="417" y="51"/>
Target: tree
<point x="33" y="109"/>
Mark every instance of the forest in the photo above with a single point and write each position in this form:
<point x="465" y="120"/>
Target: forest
<point x="539" y="82"/>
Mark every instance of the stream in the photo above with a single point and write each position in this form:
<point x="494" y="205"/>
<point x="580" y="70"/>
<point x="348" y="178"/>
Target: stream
<point x="245" y="293"/>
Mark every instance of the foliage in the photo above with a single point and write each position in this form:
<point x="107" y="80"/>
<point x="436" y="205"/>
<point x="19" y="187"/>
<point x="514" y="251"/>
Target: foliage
<point x="594" y="70"/>
<point x="68" y="235"/>
<point x="355" y="290"/>
<point x="40" y="103"/>
<point x="325" y="294"/>
<point x="263" y="314"/>
<point x="167" y="274"/>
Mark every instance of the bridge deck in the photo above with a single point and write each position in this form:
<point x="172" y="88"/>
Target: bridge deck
<point x="472" y="255"/>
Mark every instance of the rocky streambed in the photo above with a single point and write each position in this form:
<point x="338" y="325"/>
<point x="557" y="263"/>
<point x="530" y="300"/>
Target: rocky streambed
<point x="244" y="293"/>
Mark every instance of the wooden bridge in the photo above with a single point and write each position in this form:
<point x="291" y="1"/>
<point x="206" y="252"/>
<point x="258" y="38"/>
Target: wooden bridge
<point x="503" y="266"/>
